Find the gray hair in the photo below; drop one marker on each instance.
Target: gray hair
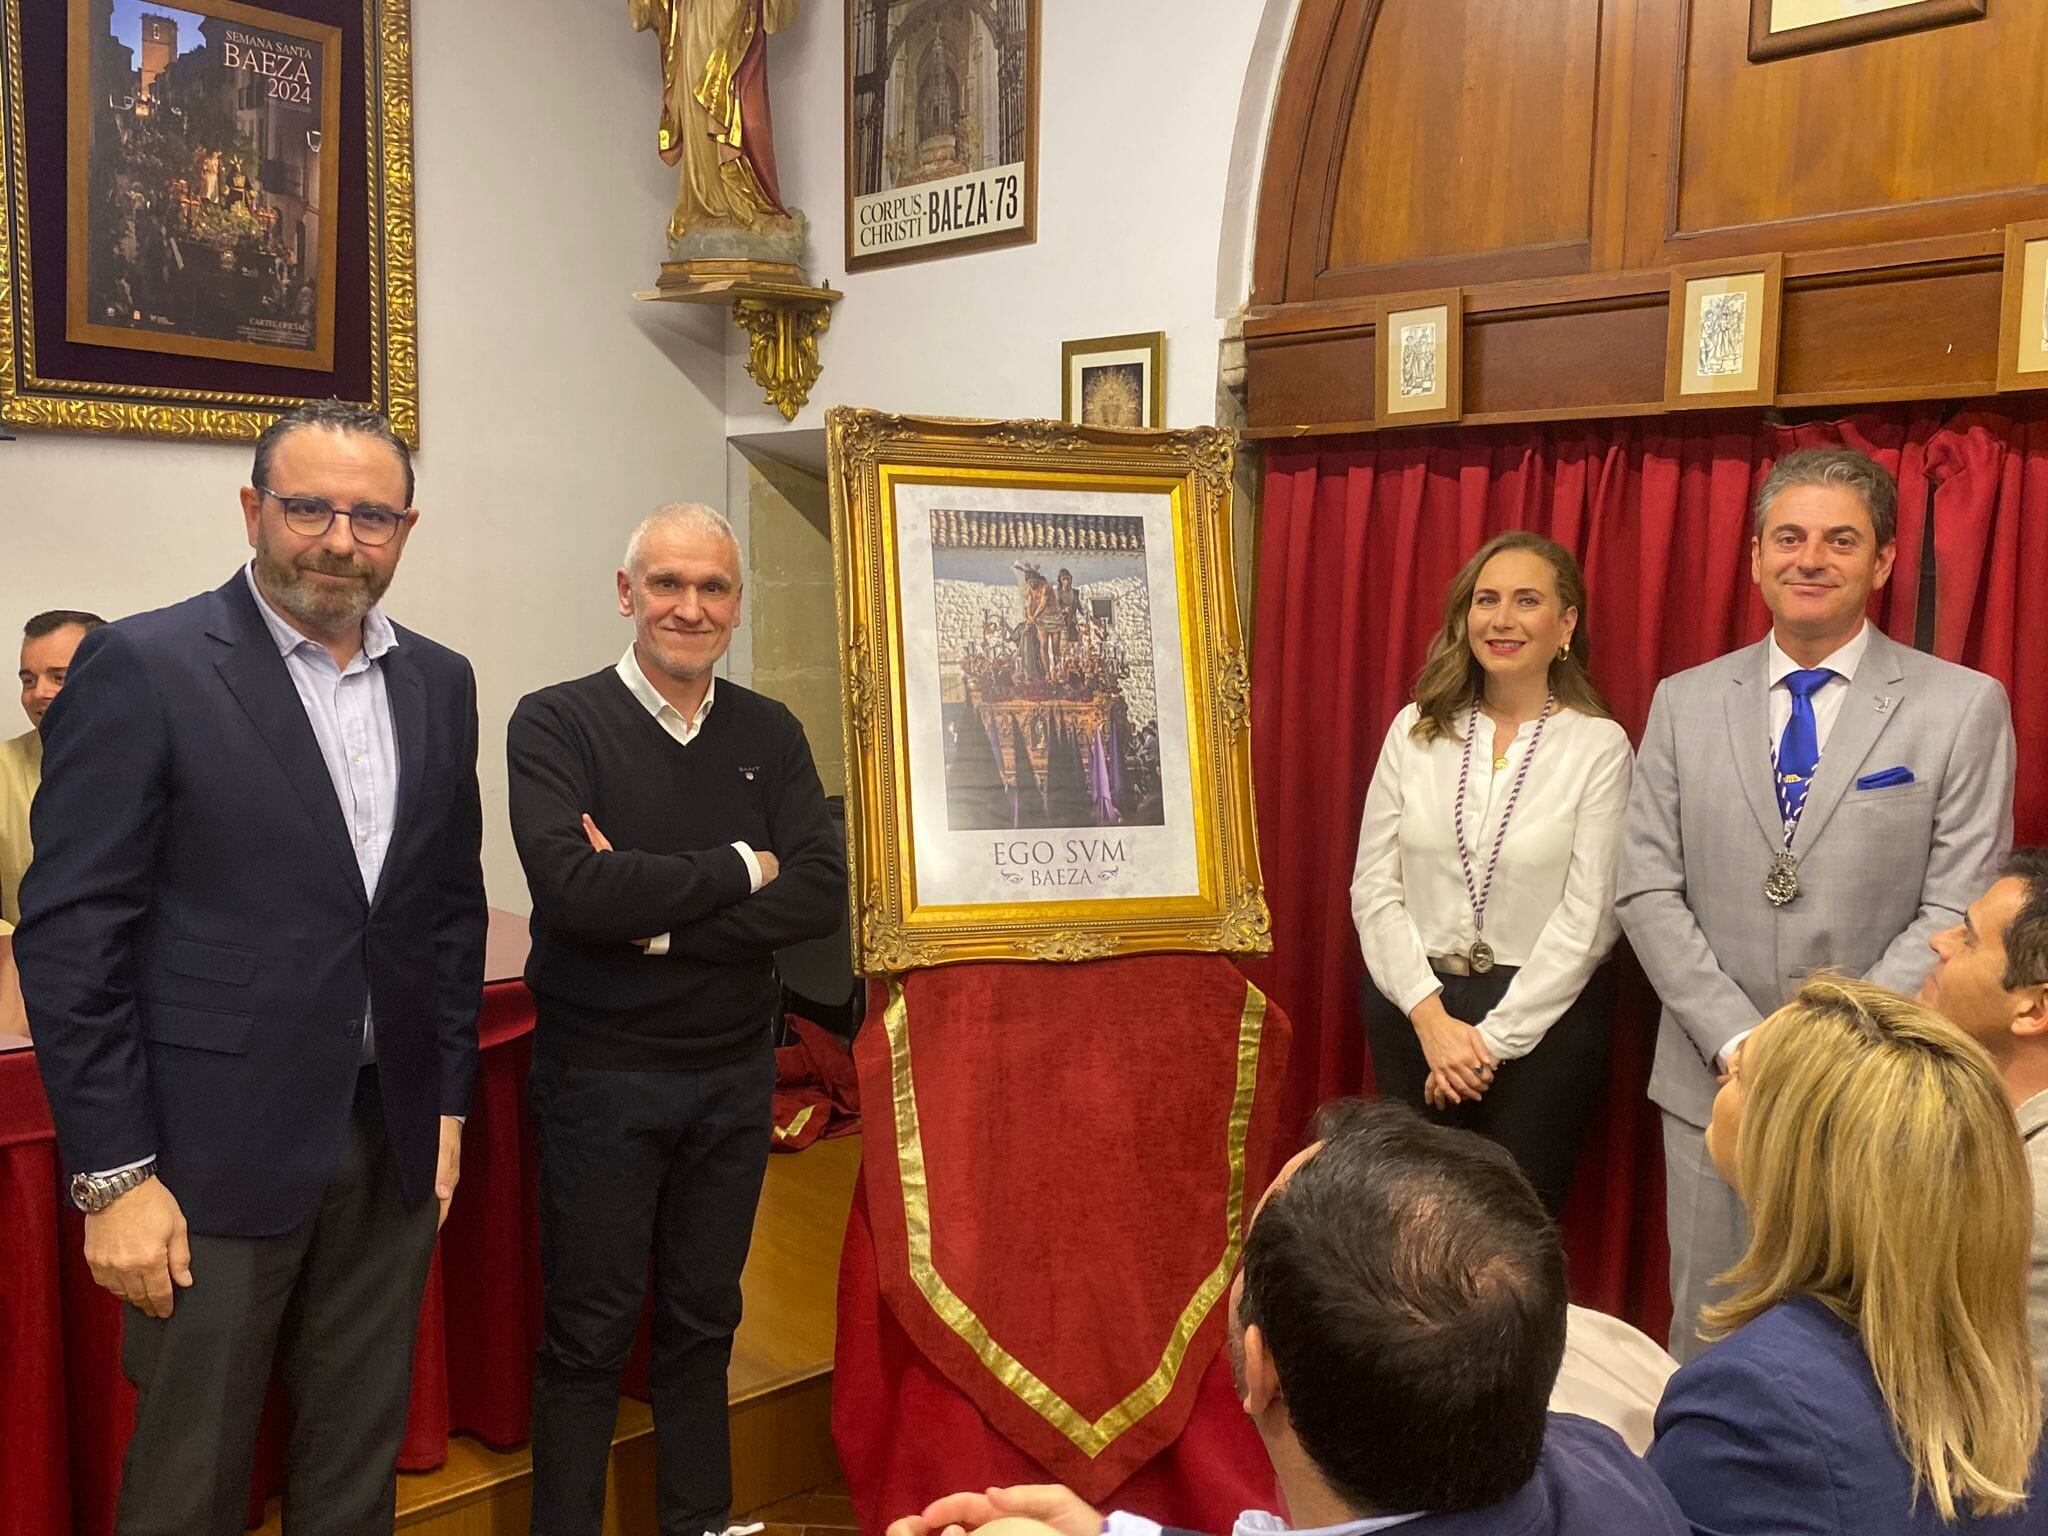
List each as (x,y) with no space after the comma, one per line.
(330,416)
(682,516)
(1844,467)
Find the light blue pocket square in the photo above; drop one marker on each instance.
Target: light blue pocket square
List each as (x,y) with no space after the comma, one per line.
(1890,778)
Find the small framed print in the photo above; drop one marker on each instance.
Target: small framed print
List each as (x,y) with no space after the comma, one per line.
(1778,28)
(1722,345)
(1418,359)
(1114,381)
(2023,312)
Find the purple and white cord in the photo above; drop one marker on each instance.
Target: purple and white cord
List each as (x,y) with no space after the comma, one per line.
(1478,894)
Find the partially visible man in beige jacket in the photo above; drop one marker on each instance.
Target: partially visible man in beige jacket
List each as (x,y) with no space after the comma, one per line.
(47,643)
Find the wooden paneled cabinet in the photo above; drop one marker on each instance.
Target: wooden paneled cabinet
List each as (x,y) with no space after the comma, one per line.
(1556,159)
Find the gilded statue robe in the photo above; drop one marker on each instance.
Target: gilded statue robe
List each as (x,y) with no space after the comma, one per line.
(714,107)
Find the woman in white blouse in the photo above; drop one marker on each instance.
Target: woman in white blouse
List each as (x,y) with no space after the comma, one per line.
(1484,888)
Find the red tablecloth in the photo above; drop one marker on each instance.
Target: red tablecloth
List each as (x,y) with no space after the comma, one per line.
(65,1409)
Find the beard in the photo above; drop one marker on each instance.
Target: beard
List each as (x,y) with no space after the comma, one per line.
(288,583)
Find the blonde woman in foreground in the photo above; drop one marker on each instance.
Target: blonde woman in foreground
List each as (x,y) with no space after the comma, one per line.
(1873,1372)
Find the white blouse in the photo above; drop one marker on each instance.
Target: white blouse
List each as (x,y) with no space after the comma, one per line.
(1551,910)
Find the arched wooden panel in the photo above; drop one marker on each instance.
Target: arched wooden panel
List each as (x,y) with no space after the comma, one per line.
(1455,147)
(1556,159)
(1904,137)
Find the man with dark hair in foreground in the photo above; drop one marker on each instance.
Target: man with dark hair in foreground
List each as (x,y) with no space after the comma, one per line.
(1394,1334)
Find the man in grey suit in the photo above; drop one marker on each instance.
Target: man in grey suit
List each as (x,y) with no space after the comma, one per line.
(1824,797)
(1990,978)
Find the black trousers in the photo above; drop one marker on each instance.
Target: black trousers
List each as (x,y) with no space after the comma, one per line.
(633,1165)
(335,1303)
(1539,1104)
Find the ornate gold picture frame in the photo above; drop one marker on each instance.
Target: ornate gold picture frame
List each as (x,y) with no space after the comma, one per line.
(1047,703)
(205,213)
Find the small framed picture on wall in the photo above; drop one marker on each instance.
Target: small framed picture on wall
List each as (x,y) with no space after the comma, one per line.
(1114,381)
(1418,359)
(1721,348)
(2023,312)
(1778,28)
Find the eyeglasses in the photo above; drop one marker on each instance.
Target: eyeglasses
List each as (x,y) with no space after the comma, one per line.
(312,516)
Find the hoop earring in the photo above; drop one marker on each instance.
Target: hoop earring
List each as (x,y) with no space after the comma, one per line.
(1564,652)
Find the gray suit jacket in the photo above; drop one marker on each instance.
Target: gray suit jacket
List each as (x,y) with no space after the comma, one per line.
(1881,871)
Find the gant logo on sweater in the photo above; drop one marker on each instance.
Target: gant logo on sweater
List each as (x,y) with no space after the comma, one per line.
(748,773)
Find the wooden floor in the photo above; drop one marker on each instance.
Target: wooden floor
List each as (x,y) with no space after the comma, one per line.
(781,1386)
(825,1511)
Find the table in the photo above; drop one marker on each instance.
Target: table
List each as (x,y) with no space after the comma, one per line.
(66,1411)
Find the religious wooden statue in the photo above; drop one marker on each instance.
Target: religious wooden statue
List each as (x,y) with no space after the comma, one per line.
(731,240)
(715,124)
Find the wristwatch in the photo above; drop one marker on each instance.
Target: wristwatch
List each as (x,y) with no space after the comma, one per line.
(94,1194)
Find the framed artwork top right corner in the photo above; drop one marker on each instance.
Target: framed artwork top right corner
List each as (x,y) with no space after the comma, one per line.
(1781,28)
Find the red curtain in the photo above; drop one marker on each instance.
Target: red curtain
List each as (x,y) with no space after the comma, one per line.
(1361,537)
(1990,467)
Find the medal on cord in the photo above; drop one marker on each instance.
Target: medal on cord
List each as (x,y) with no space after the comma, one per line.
(1481,953)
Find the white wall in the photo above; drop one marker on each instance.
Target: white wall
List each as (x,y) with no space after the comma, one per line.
(1152,121)
(556,410)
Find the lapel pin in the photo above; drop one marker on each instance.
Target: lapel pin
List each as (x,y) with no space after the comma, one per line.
(1884,705)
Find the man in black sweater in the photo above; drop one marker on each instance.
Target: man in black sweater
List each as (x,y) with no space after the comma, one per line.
(674,835)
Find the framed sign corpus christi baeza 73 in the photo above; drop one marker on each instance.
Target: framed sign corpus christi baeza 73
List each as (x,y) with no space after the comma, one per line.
(941,128)
(1047,704)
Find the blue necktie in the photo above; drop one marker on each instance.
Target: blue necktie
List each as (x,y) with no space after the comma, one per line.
(1799,747)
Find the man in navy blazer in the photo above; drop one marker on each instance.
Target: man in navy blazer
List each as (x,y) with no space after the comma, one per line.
(1394,1334)
(252,952)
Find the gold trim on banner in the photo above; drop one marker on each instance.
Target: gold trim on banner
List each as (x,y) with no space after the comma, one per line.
(1091,1438)
(796,1127)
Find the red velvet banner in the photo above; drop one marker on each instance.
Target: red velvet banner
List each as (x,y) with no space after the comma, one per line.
(1059,1167)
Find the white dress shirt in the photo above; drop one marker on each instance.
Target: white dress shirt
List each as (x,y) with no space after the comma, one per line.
(1827,699)
(1551,910)
(670,719)
(1257,1522)
(350,713)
